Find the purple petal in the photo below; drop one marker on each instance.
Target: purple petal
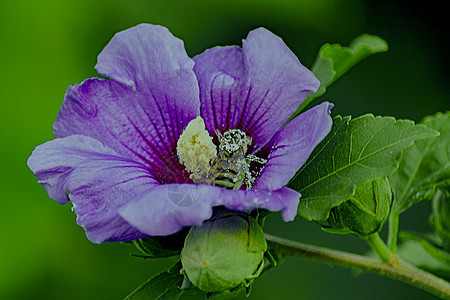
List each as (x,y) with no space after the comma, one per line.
(128,122)
(291,146)
(100,181)
(283,199)
(165,209)
(142,111)
(255,89)
(220,71)
(148,55)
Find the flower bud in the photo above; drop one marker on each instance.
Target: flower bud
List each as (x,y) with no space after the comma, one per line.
(224,253)
(440,217)
(365,212)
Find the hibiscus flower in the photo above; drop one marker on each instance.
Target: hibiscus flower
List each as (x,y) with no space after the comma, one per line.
(117,154)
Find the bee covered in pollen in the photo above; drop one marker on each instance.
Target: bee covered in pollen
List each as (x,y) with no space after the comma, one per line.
(231,168)
(227,166)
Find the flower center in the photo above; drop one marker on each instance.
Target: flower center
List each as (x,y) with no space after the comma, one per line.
(228,168)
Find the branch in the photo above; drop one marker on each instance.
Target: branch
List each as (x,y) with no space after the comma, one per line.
(393,268)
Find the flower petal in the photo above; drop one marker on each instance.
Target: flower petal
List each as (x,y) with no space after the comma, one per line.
(148,55)
(141,112)
(255,89)
(283,199)
(128,122)
(165,209)
(220,71)
(99,180)
(291,146)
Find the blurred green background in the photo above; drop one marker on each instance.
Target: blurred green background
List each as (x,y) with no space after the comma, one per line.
(47,45)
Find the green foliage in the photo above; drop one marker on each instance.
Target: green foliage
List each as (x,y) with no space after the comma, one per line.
(162,286)
(432,249)
(365,212)
(334,60)
(440,217)
(423,251)
(161,246)
(423,167)
(228,294)
(355,151)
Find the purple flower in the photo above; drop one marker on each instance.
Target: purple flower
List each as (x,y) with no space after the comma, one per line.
(115,146)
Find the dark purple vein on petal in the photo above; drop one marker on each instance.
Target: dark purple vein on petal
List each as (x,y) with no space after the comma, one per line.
(211,96)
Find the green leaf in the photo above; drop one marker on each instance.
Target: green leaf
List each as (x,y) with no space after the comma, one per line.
(334,60)
(162,286)
(173,293)
(354,151)
(412,250)
(423,167)
(440,217)
(228,294)
(435,251)
(161,246)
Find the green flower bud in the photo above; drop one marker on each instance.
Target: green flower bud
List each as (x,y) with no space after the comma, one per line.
(440,217)
(224,253)
(365,212)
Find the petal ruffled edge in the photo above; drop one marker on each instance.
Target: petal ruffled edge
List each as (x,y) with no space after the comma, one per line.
(165,209)
(99,182)
(142,110)
(255,88)
(142,54)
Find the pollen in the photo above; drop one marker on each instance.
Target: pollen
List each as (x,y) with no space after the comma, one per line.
(195,149)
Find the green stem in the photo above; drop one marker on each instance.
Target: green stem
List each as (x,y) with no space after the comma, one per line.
(376,243)
(393,232)
(395,269)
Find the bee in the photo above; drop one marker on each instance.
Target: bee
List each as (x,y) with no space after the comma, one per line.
(231,167)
